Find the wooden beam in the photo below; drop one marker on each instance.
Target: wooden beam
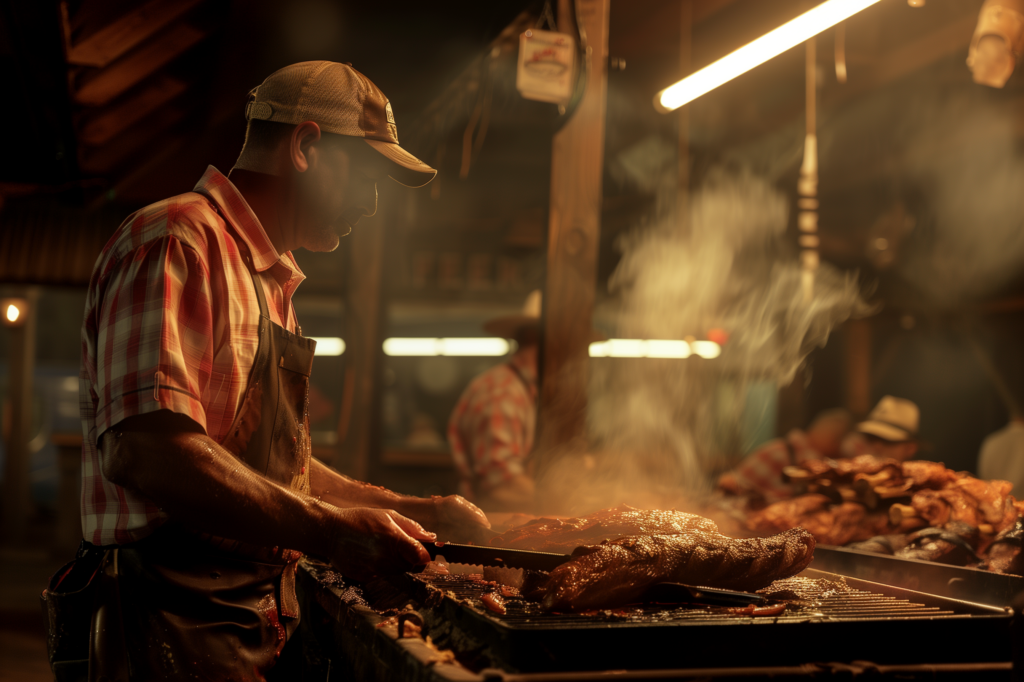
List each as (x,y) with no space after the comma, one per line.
(858,367)
(126,73)
(127,32)
(140,142)
(574,225)
(363,337)
(102,128)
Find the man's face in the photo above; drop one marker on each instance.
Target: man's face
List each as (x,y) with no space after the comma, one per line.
(338,188)
(898,450)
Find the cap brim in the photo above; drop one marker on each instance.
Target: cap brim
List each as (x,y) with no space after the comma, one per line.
(508,326)
(407,169)
(884,431)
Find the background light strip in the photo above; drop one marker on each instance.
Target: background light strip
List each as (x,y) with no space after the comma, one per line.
(653,348)
(766,47)
(451,347)
(328,345)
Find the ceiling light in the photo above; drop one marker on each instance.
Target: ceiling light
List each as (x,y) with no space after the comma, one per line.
(328,345)
(653,348)
(770,45)
(13,310)
(451,347)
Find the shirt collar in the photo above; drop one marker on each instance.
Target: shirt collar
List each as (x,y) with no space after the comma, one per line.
(236,211)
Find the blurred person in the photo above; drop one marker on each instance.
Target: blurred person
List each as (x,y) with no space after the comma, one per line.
(1002,455)
(890,430)
(760,473)
(194,387)
(492,428)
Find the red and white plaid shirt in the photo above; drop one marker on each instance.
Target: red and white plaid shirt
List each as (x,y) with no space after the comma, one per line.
(492,427)
(171,322)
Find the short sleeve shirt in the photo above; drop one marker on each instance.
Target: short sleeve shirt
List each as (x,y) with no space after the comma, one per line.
(172,322)
(492,428)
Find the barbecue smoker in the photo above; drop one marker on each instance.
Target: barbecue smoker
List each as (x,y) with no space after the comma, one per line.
(872,630)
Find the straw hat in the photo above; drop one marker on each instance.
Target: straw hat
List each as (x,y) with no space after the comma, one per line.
(507,326)
(893,419)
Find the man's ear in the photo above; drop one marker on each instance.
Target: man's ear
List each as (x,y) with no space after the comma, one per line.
(303,137)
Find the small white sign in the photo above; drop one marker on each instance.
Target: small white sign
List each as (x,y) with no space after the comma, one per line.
(546,62)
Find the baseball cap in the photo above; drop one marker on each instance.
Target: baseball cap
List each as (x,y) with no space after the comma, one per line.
(893,419)
(341,101)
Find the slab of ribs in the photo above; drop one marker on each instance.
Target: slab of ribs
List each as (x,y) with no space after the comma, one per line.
(618,554)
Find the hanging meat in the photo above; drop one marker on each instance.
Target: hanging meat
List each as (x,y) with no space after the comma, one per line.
(618,572)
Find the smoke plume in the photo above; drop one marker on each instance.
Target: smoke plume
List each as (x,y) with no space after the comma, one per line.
(657,424)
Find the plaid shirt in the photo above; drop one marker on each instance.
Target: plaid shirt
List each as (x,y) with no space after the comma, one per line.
(171,322)
(761,470)
(492,427)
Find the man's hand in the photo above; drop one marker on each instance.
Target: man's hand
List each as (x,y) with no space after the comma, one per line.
(455,519)
(370,542)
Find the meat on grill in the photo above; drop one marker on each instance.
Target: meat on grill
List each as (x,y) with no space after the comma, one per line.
(618,572)
(828,523)
(565,535)
(938,545)
(978,503)
(1005,554)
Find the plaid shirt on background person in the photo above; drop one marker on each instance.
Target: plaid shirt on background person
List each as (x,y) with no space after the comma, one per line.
(761,471)
(492,427)
(171,322)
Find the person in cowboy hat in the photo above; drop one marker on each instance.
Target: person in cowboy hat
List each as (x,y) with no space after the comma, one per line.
(890,431)
(199,491)
(492,427)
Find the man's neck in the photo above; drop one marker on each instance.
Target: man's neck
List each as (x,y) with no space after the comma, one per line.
(265,195)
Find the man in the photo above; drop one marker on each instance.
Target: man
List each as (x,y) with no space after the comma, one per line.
(196,462)
(1002,455)
(760,473)
(890,431)
(492,427)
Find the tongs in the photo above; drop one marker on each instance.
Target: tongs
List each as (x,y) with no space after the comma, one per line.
(678,593)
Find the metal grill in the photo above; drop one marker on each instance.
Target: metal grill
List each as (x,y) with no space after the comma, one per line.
(834,619)
(818,601)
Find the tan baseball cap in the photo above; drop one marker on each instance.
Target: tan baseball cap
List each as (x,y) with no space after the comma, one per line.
(893,419)
(341,101)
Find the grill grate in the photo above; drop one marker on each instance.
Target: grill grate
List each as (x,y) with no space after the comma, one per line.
(808,599)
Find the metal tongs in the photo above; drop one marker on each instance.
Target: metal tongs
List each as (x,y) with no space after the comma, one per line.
(678,593)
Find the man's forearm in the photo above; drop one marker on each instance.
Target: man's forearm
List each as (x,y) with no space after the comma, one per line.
(200,484)
(341,491)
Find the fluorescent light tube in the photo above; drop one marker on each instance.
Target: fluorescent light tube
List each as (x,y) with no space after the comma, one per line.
(768,46)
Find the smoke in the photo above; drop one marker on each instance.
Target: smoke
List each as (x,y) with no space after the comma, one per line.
(658,424)
(961,151)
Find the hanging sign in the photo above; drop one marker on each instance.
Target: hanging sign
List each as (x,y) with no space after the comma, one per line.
(546,62)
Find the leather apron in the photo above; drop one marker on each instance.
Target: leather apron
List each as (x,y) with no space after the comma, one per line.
(197,607)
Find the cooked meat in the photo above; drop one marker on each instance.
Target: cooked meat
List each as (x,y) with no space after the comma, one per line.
(786,514)
(867,465)
(881,544)
(1005,554)
(932,475)
(829,524)
(565,535)
(994,502)
(619,571)
(978,503)
(939,545)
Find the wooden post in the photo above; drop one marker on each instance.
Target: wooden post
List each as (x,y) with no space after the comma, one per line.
(17,480)
(577,160)
(359,414)
(685,68)
(858,366)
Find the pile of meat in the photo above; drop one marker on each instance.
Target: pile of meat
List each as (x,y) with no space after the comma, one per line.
(916,509)
(618,554)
